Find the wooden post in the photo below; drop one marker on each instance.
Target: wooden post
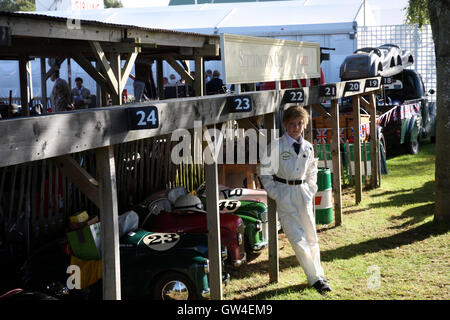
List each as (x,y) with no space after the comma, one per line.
(336,158)
(24,98)
(309,129)
(199,85)
(69,73)
(365,163)
(159,78)
(373,142)
(109,223)
(274,263)
(357,148)
(214,248)
(44,85)
(116,66)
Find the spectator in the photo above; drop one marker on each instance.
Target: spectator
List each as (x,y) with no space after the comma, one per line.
(81,95)
(208,76)
(61,96)
(172,80)
(215,86)
(165,81)
(143,72)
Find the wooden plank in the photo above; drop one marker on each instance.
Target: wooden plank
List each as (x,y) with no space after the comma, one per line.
(159,78)
(274,263)
(108,72)
(199,81)
(79,177)
(214,241)
(180,70)
(109,223)
(42,194)
(43,85)
(129,63)
(27,210)
(48,136)
(336,158)
(357,148)
(116,66)
(51,28)
(24,96)
(90,69)
(373,142)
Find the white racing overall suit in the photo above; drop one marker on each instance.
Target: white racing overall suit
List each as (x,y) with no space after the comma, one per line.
(294,202)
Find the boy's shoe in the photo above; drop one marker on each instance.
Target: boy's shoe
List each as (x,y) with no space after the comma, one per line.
(322,286)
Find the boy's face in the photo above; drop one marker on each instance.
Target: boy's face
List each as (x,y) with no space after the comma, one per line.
(294,127)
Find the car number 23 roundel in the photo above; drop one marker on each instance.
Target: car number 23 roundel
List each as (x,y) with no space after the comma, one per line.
(161,241)
(229,205)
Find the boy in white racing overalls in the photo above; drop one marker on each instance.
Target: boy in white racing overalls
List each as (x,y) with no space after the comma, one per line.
(291,180)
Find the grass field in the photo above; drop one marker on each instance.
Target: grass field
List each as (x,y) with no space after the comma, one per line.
(388,247)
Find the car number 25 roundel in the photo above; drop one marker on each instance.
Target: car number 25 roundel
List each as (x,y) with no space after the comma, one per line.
(229,205)
(161,241)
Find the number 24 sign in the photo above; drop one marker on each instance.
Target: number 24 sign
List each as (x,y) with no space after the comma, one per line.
(143,118)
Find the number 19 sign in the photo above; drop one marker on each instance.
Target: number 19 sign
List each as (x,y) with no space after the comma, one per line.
(143,118)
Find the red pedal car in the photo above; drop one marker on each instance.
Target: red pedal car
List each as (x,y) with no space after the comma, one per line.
(165,212)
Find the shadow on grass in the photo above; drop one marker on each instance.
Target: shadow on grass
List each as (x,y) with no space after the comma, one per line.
(276,292)
(404,197)
(407,237)
(416,215)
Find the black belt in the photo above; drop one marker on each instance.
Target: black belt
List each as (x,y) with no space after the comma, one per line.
(290,182)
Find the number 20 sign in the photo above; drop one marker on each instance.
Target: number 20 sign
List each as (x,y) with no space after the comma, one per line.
(143,118)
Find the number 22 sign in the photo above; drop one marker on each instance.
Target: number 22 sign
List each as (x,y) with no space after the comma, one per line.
(143,118)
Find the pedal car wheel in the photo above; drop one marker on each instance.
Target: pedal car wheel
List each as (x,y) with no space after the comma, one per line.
(174,286)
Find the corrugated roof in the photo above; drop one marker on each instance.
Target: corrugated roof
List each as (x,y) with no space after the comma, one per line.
(62,16)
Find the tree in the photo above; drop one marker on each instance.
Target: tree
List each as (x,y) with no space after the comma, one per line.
(437,13)
(17,5)
(113,3)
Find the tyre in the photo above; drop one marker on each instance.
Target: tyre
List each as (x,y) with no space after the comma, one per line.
(174,286)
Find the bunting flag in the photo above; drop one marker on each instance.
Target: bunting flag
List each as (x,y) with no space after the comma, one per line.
(342,135)
(321,136)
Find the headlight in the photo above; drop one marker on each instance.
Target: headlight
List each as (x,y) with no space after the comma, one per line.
(259,226)
(224,253)
(240,238)
(206,266)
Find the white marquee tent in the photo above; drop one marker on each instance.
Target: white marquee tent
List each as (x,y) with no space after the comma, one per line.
(329,22)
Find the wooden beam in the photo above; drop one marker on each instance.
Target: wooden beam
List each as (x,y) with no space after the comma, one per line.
(109,223)
(79,177)
(104,65)
(180,70)
(274,261)
(53,135)
(43,85)
(159,78)
(90,69)
(129,63)
(116,66)
(357,148)
(214,243)
(24,98)
(199,80)
(373,142)
(336,159)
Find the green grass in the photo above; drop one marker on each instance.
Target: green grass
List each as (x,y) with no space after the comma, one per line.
(391,231)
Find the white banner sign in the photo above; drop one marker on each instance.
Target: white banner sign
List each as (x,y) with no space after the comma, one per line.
(252,59)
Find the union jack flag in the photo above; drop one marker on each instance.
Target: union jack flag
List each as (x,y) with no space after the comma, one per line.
(321,136)
(342,135)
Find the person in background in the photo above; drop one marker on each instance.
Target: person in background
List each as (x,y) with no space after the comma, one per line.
(61,96)
(172,80)
(81,95)
(142,69)
(208,75)
(215,86)
(289,175)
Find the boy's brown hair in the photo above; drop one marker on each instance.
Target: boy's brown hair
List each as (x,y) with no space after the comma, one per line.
(296,112)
